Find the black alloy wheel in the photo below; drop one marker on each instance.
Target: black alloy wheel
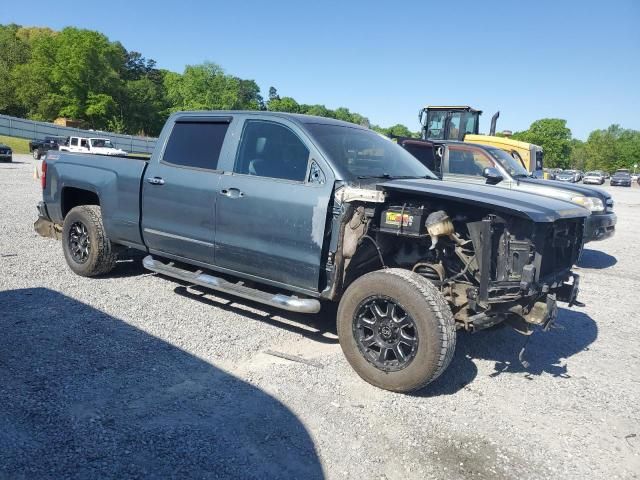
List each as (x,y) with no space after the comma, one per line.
(385,333)
(79,242)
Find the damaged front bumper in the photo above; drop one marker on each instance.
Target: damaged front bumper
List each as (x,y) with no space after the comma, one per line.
(538,308)
(44,226)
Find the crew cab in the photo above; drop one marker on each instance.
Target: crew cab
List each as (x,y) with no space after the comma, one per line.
(294,211)
(39,148)
(96,146)
(483,164)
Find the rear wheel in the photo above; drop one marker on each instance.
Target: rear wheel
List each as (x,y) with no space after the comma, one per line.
(396,329)
(36,154)
(87,249)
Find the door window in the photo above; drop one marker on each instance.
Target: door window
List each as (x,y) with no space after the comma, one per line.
(195,144)
(74,142)
(454,126)
(435,124)
(467,161)
(268,149)
(84,143)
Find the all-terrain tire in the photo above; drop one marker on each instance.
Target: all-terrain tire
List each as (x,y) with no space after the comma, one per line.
(101,256)
(434,325)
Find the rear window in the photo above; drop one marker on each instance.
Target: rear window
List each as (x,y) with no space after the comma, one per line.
(196,144)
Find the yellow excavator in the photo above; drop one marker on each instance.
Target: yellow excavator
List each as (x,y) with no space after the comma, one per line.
(462,123)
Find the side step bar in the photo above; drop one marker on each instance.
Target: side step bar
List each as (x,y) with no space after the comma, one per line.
(285,302)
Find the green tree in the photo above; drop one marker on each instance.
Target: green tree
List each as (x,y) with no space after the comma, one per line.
(578,156)
(207,87)
(553,136)
(13,51)
(613,148)
(284,104)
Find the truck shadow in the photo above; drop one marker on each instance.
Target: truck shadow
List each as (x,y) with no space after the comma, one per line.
(596,259)
(320,327)
(85,395)
(544,352)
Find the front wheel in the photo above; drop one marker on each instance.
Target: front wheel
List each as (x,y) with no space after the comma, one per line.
(36,154)
(87,249)
(396,329)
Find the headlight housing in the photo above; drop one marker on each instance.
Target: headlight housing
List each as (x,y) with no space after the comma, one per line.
(594,204)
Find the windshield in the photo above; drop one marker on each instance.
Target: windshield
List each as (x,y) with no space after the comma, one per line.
(101,143)
(592,174)
(510,164)
(460,123)
(360,153)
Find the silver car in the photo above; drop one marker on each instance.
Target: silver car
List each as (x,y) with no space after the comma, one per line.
(594,178)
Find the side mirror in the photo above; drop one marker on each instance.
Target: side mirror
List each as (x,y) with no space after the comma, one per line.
(492,175)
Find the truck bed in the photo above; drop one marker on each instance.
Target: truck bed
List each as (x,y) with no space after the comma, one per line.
(116,181)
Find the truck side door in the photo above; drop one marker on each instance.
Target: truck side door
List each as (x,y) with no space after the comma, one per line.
(74,144)
(271,211)
(179,190)
(84,145)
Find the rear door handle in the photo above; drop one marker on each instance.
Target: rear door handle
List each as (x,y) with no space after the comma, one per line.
(155,180)
(232,192)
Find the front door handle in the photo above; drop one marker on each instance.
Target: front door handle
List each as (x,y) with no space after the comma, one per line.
(155,180)
(232,192)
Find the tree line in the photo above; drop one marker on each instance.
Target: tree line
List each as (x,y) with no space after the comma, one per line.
(608,149)
(81,74)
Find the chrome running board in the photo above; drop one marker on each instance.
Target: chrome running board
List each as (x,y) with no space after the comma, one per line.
(285,302)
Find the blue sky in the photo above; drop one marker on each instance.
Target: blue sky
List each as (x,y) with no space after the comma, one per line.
(578,60)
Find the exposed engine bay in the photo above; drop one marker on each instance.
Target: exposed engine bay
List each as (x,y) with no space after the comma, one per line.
(490,266)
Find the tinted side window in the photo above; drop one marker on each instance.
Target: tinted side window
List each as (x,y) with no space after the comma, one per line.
(268,149)
(195,144)
(74,141)
(464,161)
(423,153)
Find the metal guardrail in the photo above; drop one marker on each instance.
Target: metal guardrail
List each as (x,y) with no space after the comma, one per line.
(30,129)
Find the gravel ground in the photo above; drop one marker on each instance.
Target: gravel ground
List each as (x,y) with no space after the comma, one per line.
(135,375)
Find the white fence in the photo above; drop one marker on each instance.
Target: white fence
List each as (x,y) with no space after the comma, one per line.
(19,127)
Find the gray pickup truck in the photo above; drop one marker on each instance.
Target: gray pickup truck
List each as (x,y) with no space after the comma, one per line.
(292,211)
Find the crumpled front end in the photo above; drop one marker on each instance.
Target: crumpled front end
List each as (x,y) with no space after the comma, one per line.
(523,271)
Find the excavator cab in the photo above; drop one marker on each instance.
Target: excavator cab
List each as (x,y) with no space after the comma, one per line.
(449,122)
(461,123)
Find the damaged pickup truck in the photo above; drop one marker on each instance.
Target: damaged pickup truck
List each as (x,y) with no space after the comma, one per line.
(292,211)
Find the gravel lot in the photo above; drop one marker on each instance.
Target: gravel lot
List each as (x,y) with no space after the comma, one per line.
(136,375)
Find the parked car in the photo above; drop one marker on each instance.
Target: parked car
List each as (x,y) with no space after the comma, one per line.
(301,209)
(483,164)
(566,176)
(39,148)
(635,176)
(96,146)
(6,155)
(595,177)
(621,178)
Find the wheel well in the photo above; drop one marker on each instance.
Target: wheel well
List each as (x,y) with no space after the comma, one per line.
(73,197)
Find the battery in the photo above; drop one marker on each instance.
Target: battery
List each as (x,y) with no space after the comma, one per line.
(404,220)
